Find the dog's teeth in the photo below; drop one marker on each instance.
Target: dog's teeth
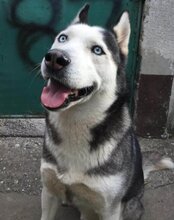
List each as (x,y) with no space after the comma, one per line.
(72,95)
(48,82)
(76,93)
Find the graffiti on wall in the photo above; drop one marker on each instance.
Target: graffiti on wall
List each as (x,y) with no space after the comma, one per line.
(29,33)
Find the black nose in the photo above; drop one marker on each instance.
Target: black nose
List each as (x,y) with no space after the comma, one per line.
(56,59)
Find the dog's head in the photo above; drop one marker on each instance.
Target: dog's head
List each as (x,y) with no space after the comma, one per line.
(83,62)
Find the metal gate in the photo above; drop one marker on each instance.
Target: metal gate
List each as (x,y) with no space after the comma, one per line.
(27,28)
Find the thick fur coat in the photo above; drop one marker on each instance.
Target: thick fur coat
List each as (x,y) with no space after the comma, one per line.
(91,157)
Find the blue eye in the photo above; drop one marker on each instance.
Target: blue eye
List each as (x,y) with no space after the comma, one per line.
(62,38)
(97,50)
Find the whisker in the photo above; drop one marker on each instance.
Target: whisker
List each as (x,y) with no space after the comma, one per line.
(38,74)
(35,68)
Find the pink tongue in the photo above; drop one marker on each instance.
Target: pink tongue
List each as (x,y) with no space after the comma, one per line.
(54,95)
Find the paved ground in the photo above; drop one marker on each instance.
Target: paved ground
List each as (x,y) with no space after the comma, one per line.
(20,151)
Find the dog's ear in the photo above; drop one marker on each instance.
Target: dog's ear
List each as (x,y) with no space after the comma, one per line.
(82,15)
(122,31)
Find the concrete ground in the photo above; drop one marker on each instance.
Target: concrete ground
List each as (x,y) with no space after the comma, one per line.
(20,187)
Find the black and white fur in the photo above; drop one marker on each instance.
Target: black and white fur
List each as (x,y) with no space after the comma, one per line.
(91,157)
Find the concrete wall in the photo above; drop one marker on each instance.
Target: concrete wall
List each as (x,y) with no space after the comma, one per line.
(157,49)
(158,38)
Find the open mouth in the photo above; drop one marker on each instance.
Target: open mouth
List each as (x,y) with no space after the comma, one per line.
(56,95)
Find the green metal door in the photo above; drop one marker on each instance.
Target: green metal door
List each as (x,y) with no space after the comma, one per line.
(27,28)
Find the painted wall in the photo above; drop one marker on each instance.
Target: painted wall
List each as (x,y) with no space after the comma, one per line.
(156,84)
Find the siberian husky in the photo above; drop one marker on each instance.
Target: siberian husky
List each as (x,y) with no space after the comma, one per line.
(91,157)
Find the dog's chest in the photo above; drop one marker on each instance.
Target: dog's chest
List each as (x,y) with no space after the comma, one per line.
(74,157)
(74,151)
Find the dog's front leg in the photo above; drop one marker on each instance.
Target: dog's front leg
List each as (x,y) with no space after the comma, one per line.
(113,213)
(49,205)
(88,214)
(49,199)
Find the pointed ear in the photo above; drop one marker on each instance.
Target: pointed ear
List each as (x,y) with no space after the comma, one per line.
(122,31)
(82,15)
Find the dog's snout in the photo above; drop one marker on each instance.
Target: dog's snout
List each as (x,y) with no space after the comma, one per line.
(56,60)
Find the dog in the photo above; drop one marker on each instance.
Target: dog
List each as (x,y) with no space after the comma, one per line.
(91,157)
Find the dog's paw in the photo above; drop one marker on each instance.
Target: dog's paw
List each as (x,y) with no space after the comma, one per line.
(82,217)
